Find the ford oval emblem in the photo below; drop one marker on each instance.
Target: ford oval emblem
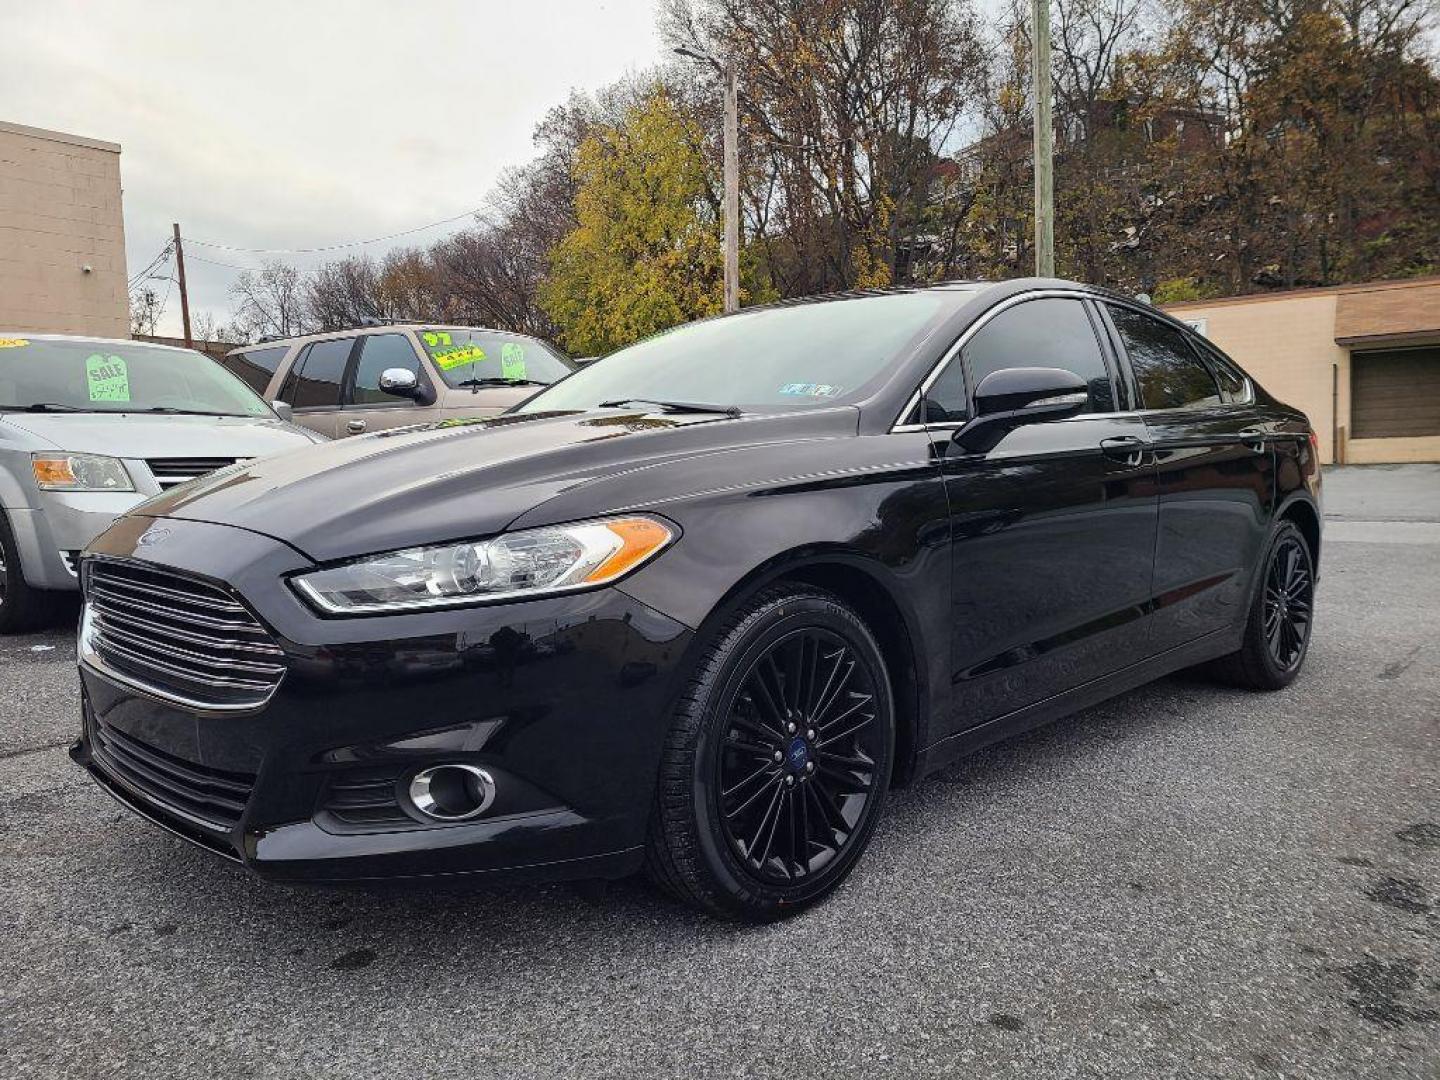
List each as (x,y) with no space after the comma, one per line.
(153,535)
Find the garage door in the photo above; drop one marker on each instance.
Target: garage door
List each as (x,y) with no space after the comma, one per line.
(1395,393)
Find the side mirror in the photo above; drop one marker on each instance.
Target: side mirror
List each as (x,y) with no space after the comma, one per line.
(400,382)
(284,411)
(1013,397)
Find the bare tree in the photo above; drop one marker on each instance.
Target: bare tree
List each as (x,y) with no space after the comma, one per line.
(345,293)
(144,312)
(270,302)
(854,103)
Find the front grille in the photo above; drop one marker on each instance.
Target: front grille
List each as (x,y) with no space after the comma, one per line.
(169,472)
(183,640)
(212,798)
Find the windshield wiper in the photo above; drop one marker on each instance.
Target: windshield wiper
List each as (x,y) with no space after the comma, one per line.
(170,410)
(673,406)
(497,381)
(51,406)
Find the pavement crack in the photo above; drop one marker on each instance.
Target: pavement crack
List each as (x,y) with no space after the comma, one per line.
(6,755)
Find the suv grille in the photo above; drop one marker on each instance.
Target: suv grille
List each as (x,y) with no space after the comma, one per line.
(183,640)
(172,471)
(208,797)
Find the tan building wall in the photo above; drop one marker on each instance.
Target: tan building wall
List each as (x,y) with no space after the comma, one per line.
(59,213)
(1298,346)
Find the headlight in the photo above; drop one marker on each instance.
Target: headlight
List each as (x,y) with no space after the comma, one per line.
(518,565)
(80,472)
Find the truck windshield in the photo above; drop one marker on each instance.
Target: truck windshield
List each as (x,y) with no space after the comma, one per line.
(79,375)
(478,358)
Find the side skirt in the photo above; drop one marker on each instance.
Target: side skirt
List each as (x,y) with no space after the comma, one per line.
(1214,644)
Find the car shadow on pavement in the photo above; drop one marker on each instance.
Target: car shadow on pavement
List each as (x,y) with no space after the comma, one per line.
(189,895)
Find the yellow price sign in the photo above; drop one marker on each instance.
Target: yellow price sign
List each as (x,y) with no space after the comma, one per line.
(13,343)
(458,356)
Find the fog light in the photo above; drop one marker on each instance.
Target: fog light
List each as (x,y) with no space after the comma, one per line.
(452,792)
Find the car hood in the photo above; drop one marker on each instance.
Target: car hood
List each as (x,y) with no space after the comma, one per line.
(132,435)
(486,397)
(460,478)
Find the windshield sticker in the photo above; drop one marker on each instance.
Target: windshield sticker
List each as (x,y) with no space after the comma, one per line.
(13,343)
(108,378)
(810,389)
(512,360)
(456,355)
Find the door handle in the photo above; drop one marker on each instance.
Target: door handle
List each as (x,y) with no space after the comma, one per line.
(1127,448)
(1254,438)
(355,427)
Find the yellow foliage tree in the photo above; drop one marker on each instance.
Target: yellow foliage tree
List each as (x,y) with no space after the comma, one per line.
(646,253)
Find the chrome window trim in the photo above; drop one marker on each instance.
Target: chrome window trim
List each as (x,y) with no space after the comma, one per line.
(913,401)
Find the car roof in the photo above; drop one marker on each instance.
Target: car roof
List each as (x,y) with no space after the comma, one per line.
(29,336)
(384,328)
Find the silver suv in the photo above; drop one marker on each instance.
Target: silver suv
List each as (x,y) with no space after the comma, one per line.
(89,427)
(349,382)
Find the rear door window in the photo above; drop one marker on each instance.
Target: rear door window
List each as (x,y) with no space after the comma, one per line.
(1235,386)
(256,367)
(1168,372)
(378,354)
(315,379)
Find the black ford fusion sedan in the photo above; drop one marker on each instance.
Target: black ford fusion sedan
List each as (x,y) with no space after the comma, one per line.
(698,606)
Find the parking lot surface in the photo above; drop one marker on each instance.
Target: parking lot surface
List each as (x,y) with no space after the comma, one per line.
(1188,881)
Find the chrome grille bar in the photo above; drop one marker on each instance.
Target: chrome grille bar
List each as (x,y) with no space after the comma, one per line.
(186,641)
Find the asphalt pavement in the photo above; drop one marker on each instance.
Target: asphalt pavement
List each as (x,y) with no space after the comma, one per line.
(1188,881)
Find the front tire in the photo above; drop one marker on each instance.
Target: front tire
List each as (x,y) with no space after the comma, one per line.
(1282,614)
(22,606)
(778,760)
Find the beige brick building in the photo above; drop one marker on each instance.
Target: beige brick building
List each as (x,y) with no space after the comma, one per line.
(62,234)
(1363,361)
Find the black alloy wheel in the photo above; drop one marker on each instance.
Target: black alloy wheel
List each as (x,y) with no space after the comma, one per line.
(778,760)
(799,758)
(1289,601)
(1281,617)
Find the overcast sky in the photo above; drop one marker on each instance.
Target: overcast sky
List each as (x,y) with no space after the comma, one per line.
(305,122)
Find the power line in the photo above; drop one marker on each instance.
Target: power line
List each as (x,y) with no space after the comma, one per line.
(249,269)
(160,314)
(137,278)
(334,247)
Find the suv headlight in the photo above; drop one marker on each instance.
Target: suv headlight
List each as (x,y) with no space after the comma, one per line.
(518,565)
(80,472)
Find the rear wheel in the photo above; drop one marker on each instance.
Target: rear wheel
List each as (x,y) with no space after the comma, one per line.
(778,761)
(1277,632)
(22,607)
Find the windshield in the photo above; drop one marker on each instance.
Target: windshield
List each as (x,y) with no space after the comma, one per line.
(490,358)
(806,355)
(75,375)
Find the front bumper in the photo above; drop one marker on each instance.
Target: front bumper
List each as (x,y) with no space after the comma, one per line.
(564,701)
(59,526)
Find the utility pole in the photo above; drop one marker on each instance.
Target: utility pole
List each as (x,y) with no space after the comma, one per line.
(1044,148)
(732,188)
(184,294)
(730,200)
